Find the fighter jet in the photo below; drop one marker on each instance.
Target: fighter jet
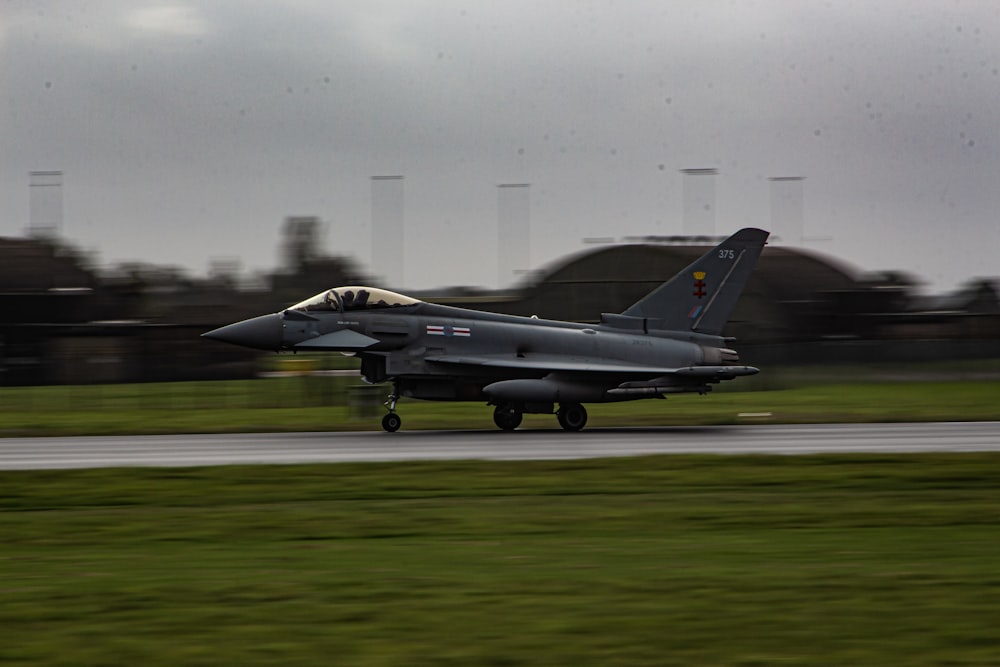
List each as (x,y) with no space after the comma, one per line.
(667,342)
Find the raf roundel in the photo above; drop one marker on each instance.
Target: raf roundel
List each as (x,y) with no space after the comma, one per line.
(447,330)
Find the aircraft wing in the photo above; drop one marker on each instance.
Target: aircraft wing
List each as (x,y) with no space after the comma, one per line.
(560,364)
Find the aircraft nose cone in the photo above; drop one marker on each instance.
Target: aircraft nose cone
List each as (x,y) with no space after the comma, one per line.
(261,333)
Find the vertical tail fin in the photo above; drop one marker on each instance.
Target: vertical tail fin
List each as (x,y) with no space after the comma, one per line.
(702,297)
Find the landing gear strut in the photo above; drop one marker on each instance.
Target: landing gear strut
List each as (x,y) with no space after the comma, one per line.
(572,416)
(391,422)
(507,416)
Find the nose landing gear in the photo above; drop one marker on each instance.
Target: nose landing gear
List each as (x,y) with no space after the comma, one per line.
(391,422)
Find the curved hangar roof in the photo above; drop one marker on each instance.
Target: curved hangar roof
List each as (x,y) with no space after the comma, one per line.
(786,288)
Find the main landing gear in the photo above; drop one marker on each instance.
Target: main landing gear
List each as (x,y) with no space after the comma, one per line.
(571,416)
(391,422)
(507,416)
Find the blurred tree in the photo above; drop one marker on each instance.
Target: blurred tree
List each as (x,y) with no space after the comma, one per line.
(306,269)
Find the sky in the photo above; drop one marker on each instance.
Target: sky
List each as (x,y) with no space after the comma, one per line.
(187,132)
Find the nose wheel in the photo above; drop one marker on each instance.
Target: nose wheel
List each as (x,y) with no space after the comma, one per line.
(391,422)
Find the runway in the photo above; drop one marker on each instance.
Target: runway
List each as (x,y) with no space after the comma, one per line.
(290,448)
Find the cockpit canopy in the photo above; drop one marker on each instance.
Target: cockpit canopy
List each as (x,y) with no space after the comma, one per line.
(354,298)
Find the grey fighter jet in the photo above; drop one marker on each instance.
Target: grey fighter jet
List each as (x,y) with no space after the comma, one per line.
(668,342)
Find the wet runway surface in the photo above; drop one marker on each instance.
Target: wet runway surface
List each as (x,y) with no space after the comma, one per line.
(287,448)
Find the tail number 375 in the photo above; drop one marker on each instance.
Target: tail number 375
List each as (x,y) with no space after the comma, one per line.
(727,254)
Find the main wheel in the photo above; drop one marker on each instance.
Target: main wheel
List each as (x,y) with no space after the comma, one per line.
(507,417)
(391,422)
(572,416)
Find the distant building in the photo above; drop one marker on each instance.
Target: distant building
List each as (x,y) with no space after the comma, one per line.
(388,230)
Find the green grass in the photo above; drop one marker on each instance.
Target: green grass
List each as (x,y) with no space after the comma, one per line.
(682,560)
(323,404)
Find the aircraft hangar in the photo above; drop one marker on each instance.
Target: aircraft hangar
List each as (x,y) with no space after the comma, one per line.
(788,292)
(799,306)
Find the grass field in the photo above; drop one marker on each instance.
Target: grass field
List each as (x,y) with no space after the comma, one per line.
(681,560)
(325,404)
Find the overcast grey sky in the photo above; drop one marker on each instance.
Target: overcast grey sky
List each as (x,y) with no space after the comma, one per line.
(188,131)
